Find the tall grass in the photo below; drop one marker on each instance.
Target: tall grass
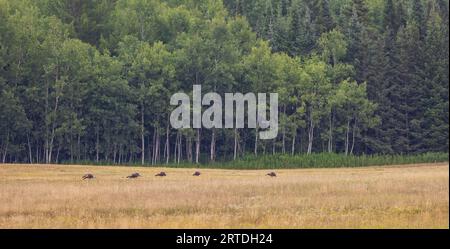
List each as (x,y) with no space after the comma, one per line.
(329,160)
(318,160)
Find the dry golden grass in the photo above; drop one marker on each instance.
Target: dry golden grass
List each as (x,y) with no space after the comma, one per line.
(50,196)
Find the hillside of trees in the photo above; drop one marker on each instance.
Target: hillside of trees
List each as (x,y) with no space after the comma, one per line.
(91,80)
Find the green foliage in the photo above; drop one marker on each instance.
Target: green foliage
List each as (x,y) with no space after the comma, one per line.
(330,160)
(333,46)
(316,160)
(91,80)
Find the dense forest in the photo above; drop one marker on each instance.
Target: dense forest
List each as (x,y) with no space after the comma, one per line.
(91,80)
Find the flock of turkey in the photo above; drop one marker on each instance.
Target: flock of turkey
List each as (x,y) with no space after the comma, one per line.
(162,173)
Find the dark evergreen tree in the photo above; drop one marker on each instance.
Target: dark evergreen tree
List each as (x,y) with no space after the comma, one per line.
(323,21)
(361,11)
(435,101)
(418,16)
(302,39)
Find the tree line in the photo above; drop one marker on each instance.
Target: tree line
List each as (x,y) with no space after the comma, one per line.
(91,80)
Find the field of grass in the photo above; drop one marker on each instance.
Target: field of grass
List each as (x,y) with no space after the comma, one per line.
(54,196)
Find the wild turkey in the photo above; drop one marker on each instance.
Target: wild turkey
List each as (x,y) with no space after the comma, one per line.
(162,173)
(134,175)
(196,173)
(271,174)
(88,176)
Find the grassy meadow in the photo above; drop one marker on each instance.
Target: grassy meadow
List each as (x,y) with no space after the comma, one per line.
(55,196)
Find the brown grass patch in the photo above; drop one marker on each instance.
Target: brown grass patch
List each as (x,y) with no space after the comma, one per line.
(51,196)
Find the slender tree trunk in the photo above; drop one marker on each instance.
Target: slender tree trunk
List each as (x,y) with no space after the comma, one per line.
(71,125)
(97,146)
(57,153)
(5,152)
(53,132)
(130,153)
(213,146)
(284,132)
(167,143)
(114,153)
(120,154)
(293,143)
(78,147)
(71,144)
(37,153)
(189,148)
(158,146)
(346,136)
(149,148)
(108,146)
(330,134)
(165,151)
(235,144)
(353,137)
(197,147)
(186,146)
(175,148)
(142,135)
(180,148)
(46,122)
(51,146)
(310,134)
(239,148)
(29,148)
(408,140)
(256,141)
(154,145)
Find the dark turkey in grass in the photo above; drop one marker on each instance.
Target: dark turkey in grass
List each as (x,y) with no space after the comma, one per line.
(134,175)
(271,174)
(162,173)
(196,173)
(88,176)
